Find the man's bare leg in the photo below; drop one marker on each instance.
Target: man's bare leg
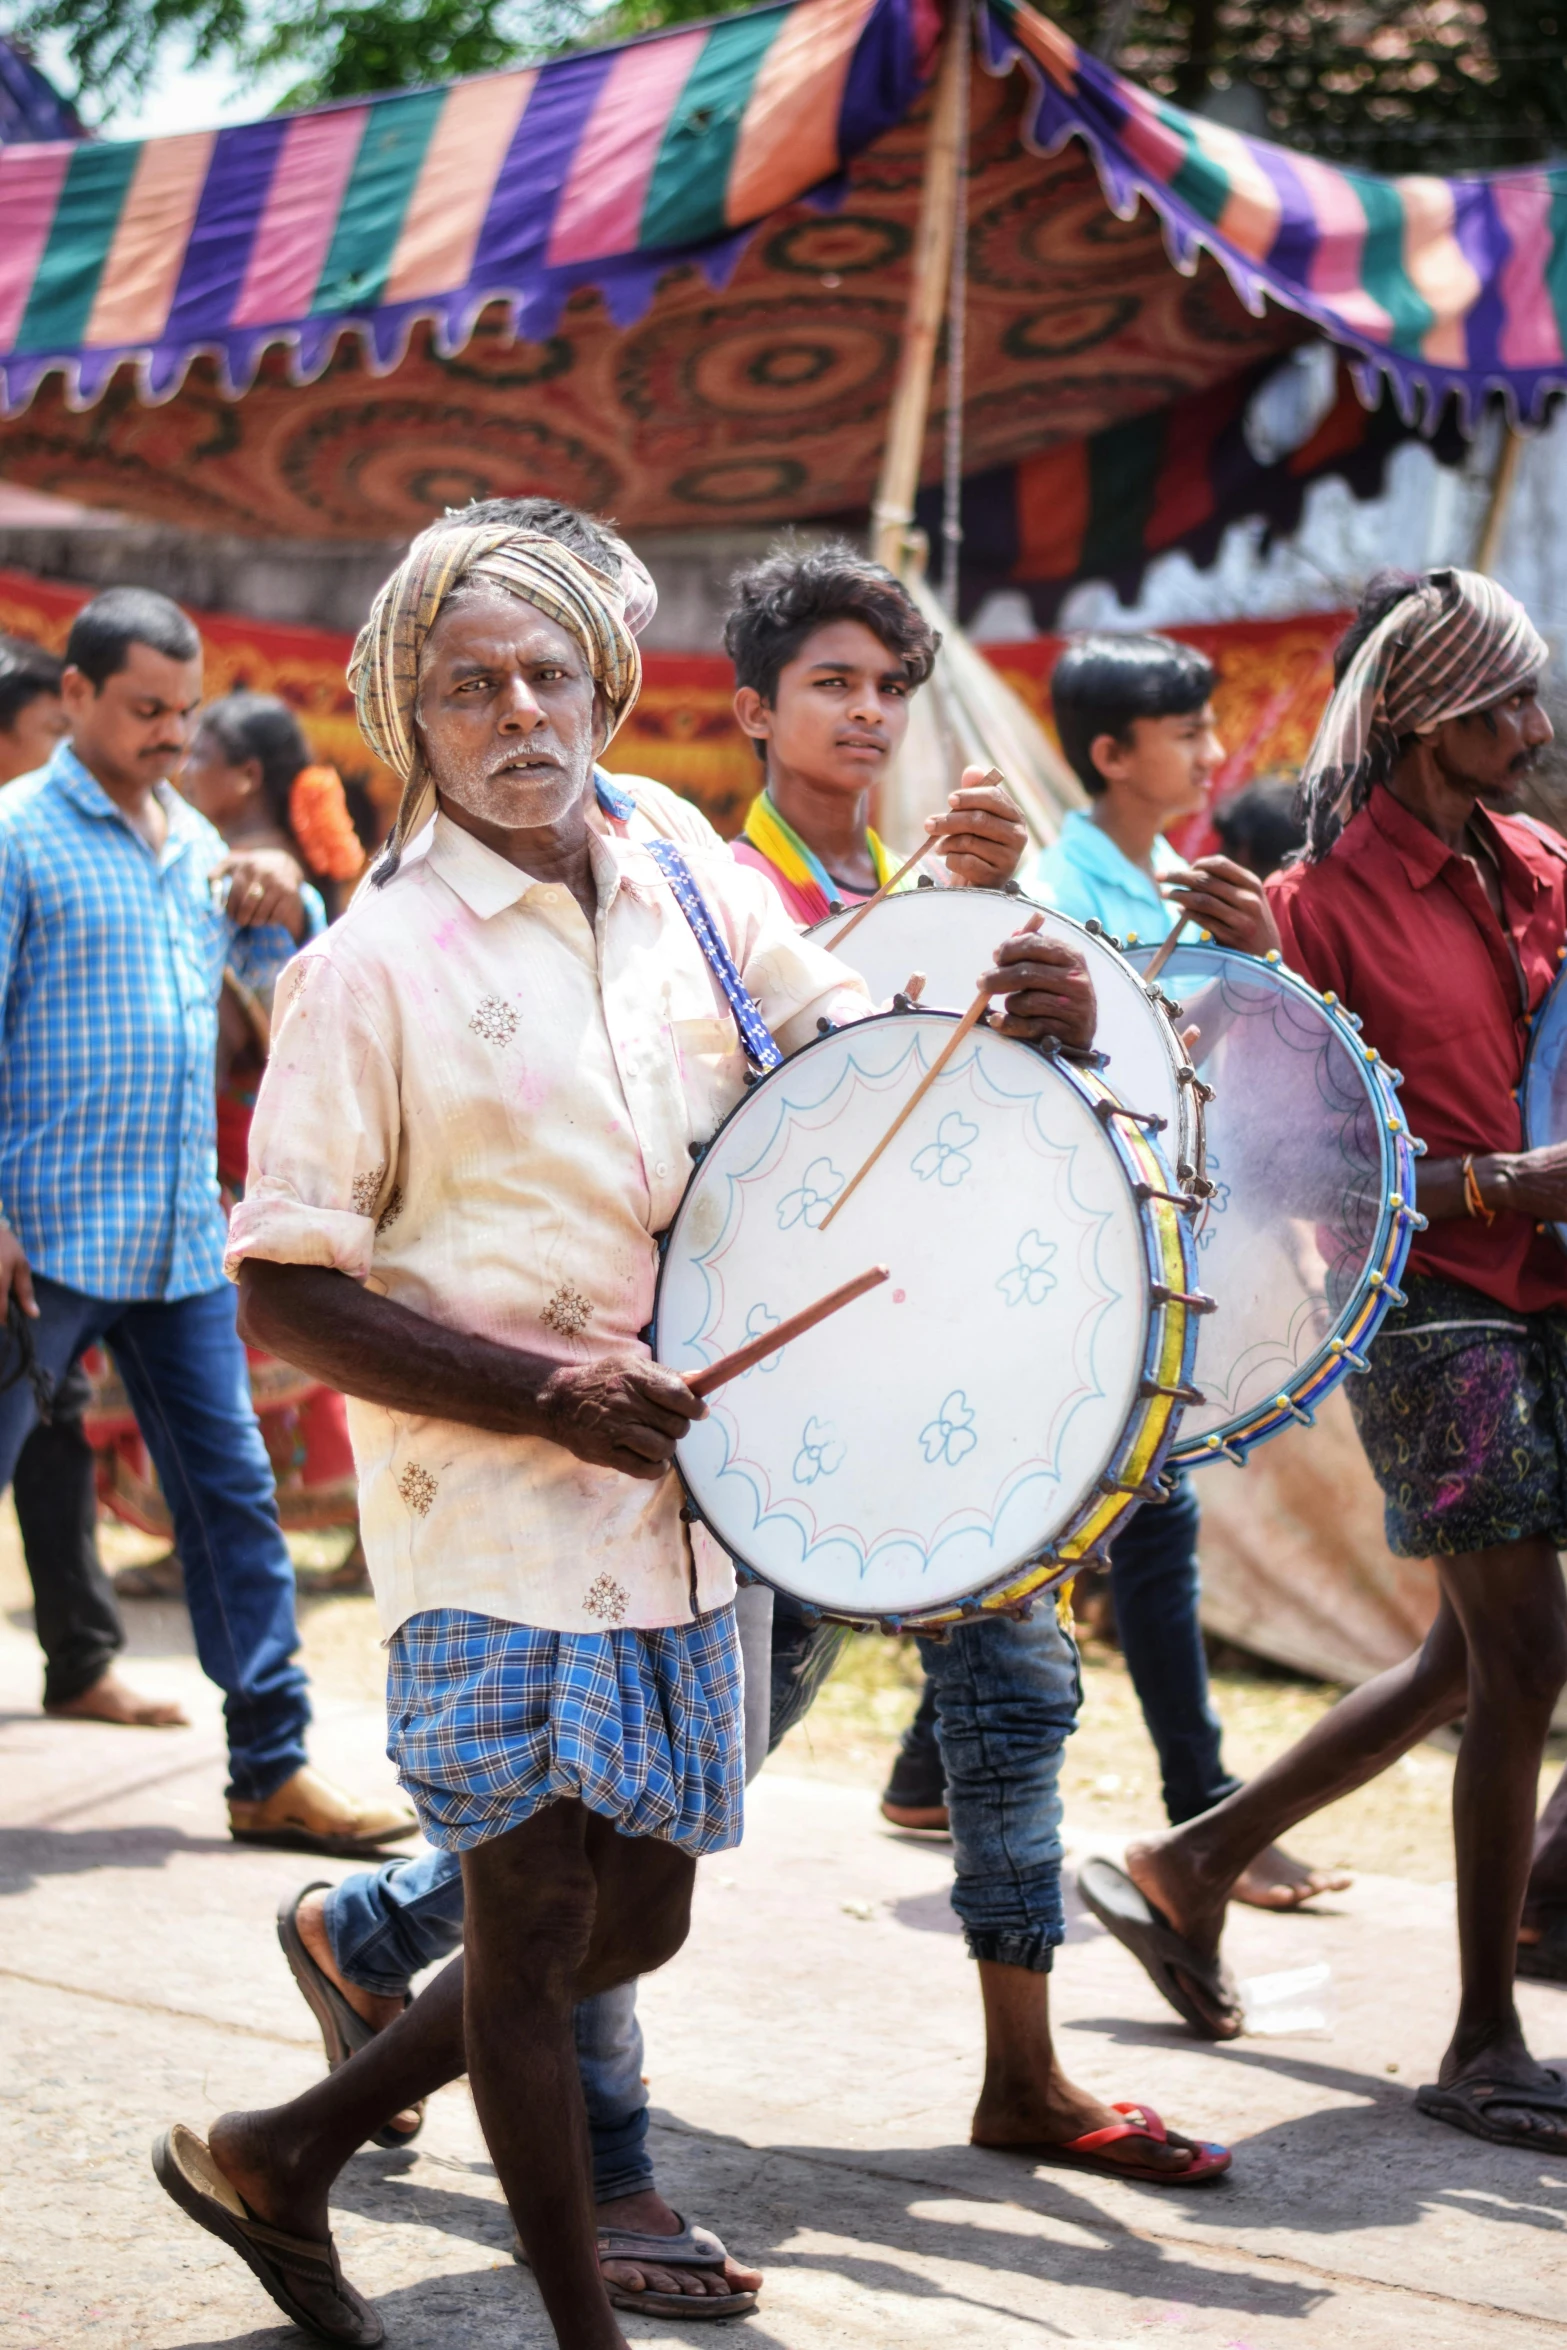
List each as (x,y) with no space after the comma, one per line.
(1513,1610)
(536,1901)
(645,2213)
(1026,2099)
(564,1886)
(1189,1872)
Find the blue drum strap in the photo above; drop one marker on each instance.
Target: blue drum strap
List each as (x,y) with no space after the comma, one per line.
(759,1046)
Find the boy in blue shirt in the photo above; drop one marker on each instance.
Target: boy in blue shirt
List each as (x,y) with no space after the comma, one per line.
(1136,720)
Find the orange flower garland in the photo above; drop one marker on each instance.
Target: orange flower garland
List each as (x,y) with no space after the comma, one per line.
(319,819)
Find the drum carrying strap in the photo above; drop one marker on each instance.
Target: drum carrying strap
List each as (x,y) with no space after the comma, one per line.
(759,1046)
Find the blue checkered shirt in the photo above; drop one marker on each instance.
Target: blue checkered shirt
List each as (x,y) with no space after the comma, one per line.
(111,959)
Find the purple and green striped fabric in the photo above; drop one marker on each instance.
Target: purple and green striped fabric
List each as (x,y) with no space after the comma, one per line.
(1441,285)
(597,169)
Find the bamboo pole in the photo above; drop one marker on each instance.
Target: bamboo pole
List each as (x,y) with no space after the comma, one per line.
(892,513)
(1500,502)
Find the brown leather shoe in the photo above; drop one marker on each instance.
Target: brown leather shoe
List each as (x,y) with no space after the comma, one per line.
(308,1814)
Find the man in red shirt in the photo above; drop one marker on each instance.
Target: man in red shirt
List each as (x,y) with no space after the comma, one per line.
(1440,917)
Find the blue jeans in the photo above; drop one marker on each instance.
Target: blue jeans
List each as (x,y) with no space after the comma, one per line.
(1154,1580)
(387,1925)
(184,1373)
(1007,1697)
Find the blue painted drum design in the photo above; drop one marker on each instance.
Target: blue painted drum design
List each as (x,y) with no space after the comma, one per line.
(971,1431)
(1313,1204)
(951,935)
(1543,1094)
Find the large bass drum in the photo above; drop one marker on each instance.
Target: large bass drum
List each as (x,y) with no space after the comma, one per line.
(951,935)
(1313,1204)
(1543,1095)
(974,1428)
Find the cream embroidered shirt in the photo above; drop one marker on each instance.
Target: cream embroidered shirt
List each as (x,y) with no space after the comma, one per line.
(483,1108)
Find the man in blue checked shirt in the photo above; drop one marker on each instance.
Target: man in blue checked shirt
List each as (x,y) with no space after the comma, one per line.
(119,908)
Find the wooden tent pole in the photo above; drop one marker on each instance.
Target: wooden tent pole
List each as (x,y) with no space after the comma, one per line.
(1500,502)
(893,511)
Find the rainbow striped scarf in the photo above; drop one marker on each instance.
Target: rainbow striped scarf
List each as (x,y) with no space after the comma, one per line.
(776,840)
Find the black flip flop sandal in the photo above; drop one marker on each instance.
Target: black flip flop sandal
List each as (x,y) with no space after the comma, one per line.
(694,2247)
(302,2276)
(1163,1954)
(343,2033)
(1467,2106)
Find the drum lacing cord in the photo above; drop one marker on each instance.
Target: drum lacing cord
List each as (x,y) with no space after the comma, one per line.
(27,1366)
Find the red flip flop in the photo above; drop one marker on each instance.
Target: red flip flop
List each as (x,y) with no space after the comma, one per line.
(1086,2153)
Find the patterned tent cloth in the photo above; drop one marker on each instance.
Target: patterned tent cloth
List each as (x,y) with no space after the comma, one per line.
(608,167)
(667,280)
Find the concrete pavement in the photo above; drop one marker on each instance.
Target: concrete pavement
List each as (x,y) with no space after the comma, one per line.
(814,2056)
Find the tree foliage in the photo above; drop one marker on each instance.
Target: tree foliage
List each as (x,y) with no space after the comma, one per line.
(1392,85)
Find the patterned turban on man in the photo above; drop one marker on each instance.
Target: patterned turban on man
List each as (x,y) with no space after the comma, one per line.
(1452,643)
(600,612)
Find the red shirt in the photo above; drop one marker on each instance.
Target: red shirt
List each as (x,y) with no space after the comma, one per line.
(1399,927)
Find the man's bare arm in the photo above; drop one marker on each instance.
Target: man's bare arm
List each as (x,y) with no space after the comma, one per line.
(623,1413)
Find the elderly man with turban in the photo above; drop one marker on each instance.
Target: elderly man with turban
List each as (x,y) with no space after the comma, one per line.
(484,1088)
(1439,914)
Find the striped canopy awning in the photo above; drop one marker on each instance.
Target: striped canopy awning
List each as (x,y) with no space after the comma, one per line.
(603,169)
(608,168)
(1441,285)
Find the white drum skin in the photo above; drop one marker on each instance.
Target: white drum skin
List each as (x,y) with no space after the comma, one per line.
(940,1437)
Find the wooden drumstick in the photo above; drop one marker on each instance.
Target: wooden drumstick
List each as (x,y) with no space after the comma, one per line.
(888,886)
(757,1350)
(1163,953)
(993,775)
(970,1019)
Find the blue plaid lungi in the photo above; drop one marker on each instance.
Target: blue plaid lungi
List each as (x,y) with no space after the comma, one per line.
(489,1722)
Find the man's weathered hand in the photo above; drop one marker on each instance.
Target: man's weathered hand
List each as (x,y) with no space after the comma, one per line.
(264,886)
(1226,900)
(982,838)
(15,1274)
(627,1414)
(1047,989)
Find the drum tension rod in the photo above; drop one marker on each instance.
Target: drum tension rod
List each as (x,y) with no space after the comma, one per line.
(1177,1199)
(1196,1301)
(1105,1111)
(1346,1353)
(1146,1491)
(1297,1412)
(1185,1393)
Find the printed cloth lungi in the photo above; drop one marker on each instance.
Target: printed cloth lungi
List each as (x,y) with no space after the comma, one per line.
(488,1722)
(1463,1415)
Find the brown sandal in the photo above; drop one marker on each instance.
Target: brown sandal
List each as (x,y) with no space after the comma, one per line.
(343,2033)
(302,2275)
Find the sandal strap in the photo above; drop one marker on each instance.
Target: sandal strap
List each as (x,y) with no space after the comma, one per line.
(692,2248)
(295,2251)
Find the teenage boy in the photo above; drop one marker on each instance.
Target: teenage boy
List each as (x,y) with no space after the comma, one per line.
(1136,720)
(829,652)
(119,908)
